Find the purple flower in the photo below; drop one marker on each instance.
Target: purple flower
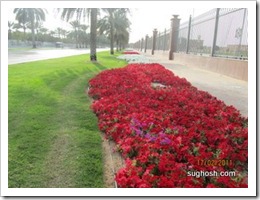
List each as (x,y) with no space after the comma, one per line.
(139,132)
(134,128)
(165,140)
(153,139)
(136,122)
(162,134)
(150,137)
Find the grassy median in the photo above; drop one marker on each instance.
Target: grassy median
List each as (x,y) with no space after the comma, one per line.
(53,138)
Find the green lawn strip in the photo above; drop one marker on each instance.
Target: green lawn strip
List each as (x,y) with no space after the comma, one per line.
(53,136)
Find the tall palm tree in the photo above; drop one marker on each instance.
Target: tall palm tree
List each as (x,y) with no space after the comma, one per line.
(22,18)
(10,28)
(43,30)
(122,29)
(93,34)
(58,31)
(17,27)
(43,34)
(75,24)
(52,33)
(122,39)
(51,36)
(68,13)
(107,25)
(38,25)
(63,33)
(83,36)
(31,15)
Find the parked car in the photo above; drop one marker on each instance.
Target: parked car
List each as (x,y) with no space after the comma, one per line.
(59,45)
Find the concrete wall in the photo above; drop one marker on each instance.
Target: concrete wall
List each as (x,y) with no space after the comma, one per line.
(230,67)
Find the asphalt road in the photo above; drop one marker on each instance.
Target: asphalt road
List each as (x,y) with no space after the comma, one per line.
(20,56)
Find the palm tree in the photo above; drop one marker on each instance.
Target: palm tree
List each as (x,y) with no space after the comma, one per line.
(122,29)
(58,31)
(51,36)
(10,28)
(32,15)
(22,18)
(43,34)
(63,33)
(93,34)
(52,33)
(83,36)
(122,39)
(75,24)
(17,34)
(43,30)
(108,24)
(38,25)
(68,13)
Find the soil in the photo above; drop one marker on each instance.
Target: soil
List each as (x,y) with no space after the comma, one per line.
(113,160)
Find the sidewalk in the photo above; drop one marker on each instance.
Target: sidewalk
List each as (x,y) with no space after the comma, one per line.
(231,91)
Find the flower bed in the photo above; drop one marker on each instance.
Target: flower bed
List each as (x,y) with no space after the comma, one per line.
(130,52)
(165,133)
(134,58)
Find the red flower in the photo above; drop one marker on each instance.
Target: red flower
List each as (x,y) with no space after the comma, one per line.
(163,131)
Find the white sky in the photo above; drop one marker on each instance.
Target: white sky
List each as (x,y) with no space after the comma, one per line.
(144,18)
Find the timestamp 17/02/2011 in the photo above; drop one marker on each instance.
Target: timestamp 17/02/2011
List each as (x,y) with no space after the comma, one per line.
(215,162)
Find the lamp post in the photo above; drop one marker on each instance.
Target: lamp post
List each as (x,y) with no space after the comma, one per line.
(142,43)
(154,40)
(175,24)
(145,44)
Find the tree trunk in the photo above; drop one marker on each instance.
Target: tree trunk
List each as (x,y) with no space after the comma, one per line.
(112,39)
(93,34)
(117,49)
(76,36)
(24,35)
(9,34)
(33,35)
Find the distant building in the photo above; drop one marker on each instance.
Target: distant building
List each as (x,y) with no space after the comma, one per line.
(234,47)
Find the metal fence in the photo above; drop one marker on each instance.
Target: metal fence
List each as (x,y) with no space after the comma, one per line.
(232,33)
(220,32)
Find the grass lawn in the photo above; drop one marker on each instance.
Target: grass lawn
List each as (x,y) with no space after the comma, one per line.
(53,138)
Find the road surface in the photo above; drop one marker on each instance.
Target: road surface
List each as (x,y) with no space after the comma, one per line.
(22,56)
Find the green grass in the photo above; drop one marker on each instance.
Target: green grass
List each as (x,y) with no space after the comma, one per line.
(53,138)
